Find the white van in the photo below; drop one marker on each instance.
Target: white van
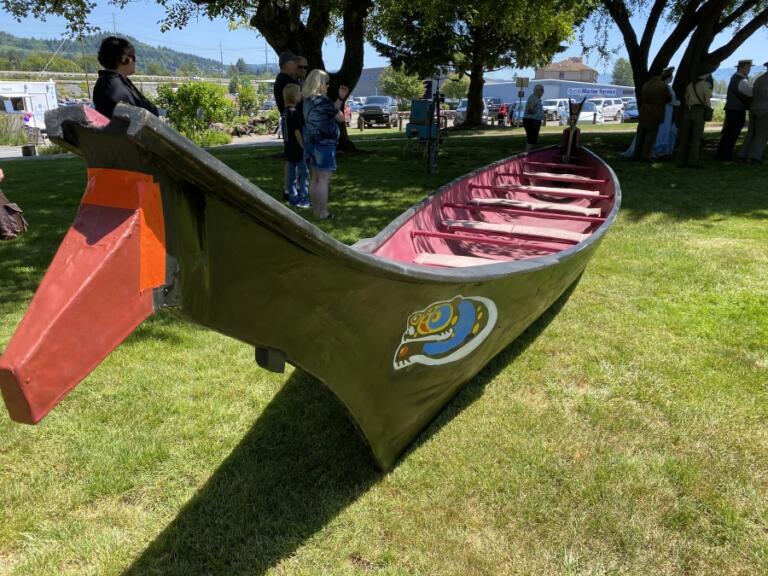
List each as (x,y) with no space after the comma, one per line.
(609,107)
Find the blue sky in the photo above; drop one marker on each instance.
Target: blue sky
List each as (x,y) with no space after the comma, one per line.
(202,37)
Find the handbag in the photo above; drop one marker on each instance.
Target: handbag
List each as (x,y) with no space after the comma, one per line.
(709,113)
(12,223)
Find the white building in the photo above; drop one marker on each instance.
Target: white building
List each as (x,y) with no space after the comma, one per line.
(35,98)
(509,92)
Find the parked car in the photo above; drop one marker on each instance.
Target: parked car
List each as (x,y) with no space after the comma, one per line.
(460,115)
(493,104)
(379,110)
(631,112)
(590,114)
(516,111)
(609,107)
(555,108)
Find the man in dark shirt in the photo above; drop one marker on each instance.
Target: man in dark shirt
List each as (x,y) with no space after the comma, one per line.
(288,68)
(736,106)
(118,56)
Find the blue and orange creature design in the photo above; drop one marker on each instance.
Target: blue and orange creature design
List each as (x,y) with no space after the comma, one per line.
(445,331)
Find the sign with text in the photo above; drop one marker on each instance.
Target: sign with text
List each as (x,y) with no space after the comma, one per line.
(592,92)
(522,82)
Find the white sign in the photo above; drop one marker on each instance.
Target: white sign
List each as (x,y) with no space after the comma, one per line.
(592,92)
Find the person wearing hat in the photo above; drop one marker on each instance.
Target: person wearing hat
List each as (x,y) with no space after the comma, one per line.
(655,95)
(288,62)
(757,135)
(736,106)
(697,99)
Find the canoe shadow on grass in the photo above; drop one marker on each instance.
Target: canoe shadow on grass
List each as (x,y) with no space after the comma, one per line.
(300,465)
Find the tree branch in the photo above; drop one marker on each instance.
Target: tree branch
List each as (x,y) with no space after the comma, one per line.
(729,20)
(740,37)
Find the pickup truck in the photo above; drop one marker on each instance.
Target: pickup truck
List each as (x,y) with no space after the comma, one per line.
(379,110)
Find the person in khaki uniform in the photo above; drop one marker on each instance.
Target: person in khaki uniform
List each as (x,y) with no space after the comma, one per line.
(757,136)
(655,95)
(697,99)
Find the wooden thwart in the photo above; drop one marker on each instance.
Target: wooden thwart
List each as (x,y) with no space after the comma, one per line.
(452,260)
(559,165)
(516,230)
(537,206)
(519,243)
(548,190)
(552,177)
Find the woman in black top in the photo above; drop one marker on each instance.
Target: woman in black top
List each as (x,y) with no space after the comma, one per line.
(118,56)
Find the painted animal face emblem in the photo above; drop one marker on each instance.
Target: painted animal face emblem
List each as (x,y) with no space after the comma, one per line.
(445,331)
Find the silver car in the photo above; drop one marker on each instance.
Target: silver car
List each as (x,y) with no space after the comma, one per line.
(460,114)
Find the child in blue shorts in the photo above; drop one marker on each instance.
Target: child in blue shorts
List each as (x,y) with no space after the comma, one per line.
(294,148)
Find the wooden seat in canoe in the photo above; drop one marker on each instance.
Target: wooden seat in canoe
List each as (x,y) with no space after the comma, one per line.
(451,260)
(552,177)
(548,190)
(516,230)
(537,206)
(559,166)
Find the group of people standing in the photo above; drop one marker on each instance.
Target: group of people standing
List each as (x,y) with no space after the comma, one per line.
(657,133)
(310,125)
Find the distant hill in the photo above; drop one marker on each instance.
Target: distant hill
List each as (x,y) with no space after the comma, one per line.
(147,57)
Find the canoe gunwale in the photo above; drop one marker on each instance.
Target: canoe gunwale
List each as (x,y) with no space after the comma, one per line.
(206,171)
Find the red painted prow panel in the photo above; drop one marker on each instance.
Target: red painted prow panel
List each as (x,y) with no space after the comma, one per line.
(97,290)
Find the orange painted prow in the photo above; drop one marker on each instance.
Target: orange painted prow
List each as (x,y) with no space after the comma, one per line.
(97,290)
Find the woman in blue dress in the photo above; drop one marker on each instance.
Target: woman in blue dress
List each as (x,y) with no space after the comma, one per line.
(667,135)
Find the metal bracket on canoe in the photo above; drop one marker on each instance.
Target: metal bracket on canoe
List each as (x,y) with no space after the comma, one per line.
(270,359)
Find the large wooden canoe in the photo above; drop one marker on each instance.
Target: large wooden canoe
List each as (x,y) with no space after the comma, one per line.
(393,325)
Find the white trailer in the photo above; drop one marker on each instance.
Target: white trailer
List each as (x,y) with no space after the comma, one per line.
(30,99)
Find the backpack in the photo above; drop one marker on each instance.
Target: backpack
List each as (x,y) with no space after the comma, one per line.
(12,223)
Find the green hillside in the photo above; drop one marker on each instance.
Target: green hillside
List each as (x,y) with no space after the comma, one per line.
(34,54)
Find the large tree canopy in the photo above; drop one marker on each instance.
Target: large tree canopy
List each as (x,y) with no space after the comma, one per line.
(472,36)
(695,24)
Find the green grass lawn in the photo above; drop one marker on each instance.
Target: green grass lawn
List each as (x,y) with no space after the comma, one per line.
(626,432)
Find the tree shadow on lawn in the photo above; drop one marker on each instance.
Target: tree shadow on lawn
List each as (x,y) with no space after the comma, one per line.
(300,465)
(718,189)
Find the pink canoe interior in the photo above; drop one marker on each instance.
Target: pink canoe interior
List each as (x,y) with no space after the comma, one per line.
(526,207)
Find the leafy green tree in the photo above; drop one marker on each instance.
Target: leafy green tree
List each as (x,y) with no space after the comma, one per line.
(156,69)
(35,62)
(400,84)
(455,86)
(241,68)
(194,106)
(622,73)
(473,36)
(249,100)
(188,69)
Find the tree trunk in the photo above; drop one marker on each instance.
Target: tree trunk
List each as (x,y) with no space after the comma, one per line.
(280,24)
(475,95)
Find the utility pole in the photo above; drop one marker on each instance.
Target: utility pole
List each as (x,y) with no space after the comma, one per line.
(221,55)
(85,67)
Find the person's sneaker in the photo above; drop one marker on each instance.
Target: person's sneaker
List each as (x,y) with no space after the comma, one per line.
(303,204)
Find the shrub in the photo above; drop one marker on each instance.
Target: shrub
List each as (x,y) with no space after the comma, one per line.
(194,106)
(719,112)
(211,138)
(12,131)
(50,149)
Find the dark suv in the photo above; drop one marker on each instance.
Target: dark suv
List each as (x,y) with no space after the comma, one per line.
(379,110)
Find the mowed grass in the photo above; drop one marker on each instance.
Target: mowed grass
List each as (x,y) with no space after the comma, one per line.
(626,432)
